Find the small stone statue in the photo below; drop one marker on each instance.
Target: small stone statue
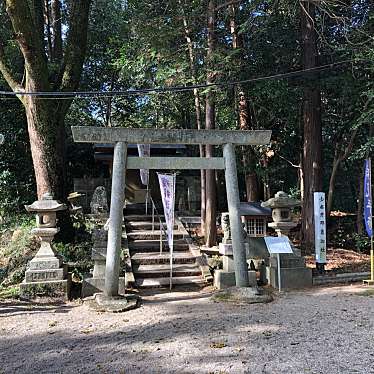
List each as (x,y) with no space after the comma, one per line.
(99,202)
(225,222)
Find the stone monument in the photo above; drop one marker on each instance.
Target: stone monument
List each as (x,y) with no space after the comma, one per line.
(95,283)
(46,275)
(99,202)
(294,273)
(226,277)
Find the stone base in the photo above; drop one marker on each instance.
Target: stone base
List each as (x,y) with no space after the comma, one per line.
(46,275)
(42,263)
(243,295)
(115,304)
(223,279)
(91,286)
(291,278)
(57,288)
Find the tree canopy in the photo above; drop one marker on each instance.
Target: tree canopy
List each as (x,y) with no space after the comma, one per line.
(258,44)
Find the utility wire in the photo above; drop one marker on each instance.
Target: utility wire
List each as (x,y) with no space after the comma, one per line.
(68,95)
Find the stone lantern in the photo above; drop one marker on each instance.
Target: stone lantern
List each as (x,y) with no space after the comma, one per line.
(75,207)
(293,271)
(281,205)
(45,274)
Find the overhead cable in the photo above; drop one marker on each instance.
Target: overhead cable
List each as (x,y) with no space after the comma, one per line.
(171,89)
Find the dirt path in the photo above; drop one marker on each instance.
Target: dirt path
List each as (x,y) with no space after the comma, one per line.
(326,330)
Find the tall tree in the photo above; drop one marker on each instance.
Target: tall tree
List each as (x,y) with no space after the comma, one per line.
(197,102)
(312,148)
(60,70)
(244,114)
(210,113)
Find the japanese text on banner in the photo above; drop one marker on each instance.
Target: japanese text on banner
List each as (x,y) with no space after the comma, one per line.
(167,188)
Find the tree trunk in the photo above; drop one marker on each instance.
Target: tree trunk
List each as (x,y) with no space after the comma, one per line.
(339,157)
(312,149)
(57,30)
(245,122)
(211,198)
(47,141)
(252,189)
(330,195)
(47,15)
(191,57)
(45,118)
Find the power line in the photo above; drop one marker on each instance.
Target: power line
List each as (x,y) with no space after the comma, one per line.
(60,95)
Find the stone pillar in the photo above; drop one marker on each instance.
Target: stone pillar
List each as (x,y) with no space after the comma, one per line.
(232,190)
(115,220)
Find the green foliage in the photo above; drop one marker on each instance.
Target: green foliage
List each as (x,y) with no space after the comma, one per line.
(362,242)
(18,248)
(77,253)
(11,292)
(215,262)
(17,186)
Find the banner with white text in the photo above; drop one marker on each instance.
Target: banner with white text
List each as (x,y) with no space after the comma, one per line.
(167,188)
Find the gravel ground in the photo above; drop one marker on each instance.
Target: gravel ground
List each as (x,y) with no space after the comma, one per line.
(324,330)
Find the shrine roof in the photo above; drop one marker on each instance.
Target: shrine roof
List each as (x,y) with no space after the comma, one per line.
(254,209)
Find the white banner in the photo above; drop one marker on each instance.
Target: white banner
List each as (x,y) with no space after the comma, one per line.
(167,188)
(320,227)
(144,150)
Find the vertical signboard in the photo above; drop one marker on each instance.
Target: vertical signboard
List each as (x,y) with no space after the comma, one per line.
(320,227)
(167,188)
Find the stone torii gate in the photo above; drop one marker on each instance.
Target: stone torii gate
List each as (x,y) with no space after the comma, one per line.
(123,136)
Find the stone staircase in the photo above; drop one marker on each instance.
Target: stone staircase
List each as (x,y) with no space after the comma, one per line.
(152,268)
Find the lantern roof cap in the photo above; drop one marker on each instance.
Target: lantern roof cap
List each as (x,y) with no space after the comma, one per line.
(281,200)
(45,204)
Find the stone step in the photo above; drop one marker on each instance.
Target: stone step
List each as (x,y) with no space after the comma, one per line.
(138,209)
(163,270)
(154,245)
(140,217)
(147,235)
(152,258)
(165,282)
(145,225)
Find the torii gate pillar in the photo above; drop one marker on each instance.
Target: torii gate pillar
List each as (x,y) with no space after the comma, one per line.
(232,191)
(112,262)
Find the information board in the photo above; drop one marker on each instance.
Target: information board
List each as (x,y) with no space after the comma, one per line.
(278,244)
